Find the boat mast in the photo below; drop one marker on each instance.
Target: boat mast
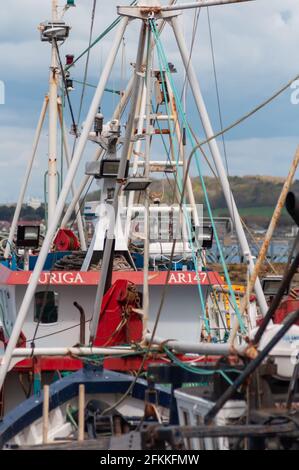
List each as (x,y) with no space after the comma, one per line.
(121,175)
(148,138)
(53,117)
(200,104)
(54,222)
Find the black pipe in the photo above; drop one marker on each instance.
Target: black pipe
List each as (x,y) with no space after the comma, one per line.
(244,430)
(292,206)
(110,269)
(82,323)
(286,280)
(252,366)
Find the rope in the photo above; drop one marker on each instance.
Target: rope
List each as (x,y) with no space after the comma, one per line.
(107,90)
(161,53)
(219,104)
(179,184)
(245,116)
(65,87)
(99,38)
(87,59)
(197,370)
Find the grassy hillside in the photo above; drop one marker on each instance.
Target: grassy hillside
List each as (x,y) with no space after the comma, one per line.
(256,196)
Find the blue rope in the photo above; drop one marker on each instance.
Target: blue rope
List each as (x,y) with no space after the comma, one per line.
(162,57)
(180,186)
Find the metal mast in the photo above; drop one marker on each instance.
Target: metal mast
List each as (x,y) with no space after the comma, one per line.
(53,116)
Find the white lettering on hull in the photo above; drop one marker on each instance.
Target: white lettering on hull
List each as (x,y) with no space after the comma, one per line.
(187,278)
(60,278)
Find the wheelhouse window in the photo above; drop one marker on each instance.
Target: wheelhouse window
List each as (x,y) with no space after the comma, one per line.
(46,307)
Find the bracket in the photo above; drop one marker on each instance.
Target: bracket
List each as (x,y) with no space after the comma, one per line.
(146,12)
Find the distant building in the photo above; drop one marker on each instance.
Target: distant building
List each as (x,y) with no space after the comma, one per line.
(34,203)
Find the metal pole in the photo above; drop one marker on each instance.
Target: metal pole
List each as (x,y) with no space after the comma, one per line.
(122,170)
(68,162)
(46,401)
(217,158)
(264,249)
(285,283)
(136,157)
(200,4)
(148,138)
(117,114)
(251,367)
(81,419)
(86,180)
(53,117)
(76,351)
(182,152)
(54,223)
(209,349)
(54,10)
(26,178)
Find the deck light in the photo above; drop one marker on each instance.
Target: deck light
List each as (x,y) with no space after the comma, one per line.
(271,284)
(28,236)
(137,184)
(106,168)
(207,236)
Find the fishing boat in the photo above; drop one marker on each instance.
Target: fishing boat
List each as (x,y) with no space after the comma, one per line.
(93,330)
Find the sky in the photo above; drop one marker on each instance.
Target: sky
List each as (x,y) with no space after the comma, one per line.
(256,53)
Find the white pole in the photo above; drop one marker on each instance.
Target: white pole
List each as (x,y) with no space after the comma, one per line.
(173,108)
(200,4)
(136,157)
(185,53)
(117,114)
(121,173)
(76,351)
(81,418)
(205,349)
(54,222)
(26,179)
(46,408)
(148,139)
(68,162)
(54,10)
(86,180)
(53,115)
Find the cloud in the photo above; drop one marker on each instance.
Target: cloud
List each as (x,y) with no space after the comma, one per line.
(255,47)
(258,156)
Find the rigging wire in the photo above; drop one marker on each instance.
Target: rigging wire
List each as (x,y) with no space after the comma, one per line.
(243,118)
(239,121)
(108,90)
(177,184)
(219,103)
(178,175)
(87,59)
(194,32)
(65,87)
(99,38)
(161,52)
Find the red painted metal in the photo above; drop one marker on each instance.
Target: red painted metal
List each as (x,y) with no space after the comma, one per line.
(66,240)
(91,278)
(130,364)
(119,324)
(287,306)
